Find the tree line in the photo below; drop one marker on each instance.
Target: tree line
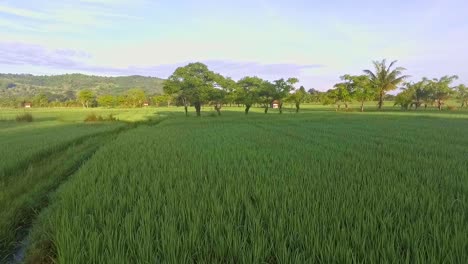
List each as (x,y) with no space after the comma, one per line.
(375,84)
(196,85)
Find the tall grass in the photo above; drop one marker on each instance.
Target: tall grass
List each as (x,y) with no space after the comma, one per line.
(332,188)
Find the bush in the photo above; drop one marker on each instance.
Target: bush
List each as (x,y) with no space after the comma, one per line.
(26,117)
(452,108)
(98,118)
(111,118)
(91,118)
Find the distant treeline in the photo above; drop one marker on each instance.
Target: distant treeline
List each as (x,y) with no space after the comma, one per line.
(195,85)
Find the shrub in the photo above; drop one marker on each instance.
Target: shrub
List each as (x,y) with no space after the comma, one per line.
(26,117)
(111,118)
(98,118)
(91,118)
(451,108)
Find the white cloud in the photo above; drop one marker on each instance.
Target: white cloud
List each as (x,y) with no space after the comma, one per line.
(23,13)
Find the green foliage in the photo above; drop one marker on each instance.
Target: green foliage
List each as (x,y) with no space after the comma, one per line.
(86,97)
(385,79)
(26,117)
(107,100)
(192,84)
(362,89)
(249,91)
(298,97)
(40,100)
(404,98)
(64,87)
(92,117)
(341,94)
(282,90)
(135,97)
(462,95)
(441,90)
(162,99)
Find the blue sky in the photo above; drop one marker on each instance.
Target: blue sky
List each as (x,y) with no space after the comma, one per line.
(316,41)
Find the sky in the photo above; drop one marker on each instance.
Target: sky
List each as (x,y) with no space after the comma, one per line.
(315,41)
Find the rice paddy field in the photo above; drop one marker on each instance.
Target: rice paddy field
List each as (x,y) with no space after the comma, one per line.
(315,187)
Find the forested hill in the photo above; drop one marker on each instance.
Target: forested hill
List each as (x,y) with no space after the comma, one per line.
(64,87)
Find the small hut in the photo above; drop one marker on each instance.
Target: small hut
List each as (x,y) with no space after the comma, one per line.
(145,104)
(275,104)
(27,105)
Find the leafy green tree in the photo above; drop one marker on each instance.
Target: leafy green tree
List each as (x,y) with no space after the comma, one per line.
(283,88)
(341,94)
(440,89)
(135,97)
(217,99)
(298,97)
(192,84)
(107,100)
(230,88)
(404,98)
(362,89)
(86,97)
(314,95)
(462,95)
(40,100)
(162,98)
(385,78)
(266,95)
(330,97)
(420,93)
(248,92)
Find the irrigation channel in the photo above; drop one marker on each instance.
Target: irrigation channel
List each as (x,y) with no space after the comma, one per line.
(81,149)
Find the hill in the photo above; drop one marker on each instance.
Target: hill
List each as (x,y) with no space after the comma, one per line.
(65,87)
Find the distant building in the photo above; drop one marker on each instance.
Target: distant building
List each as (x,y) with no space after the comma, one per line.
(275,104)
(145,104)
(27,105)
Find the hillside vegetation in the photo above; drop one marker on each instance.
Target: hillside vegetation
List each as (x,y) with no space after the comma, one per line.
(65,87)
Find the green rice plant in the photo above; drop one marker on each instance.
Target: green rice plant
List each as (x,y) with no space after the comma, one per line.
(308,188)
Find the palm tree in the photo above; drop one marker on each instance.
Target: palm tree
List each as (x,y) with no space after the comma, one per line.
(385,78)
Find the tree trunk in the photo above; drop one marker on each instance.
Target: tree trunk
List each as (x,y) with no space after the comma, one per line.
(381,95)
(281,107)
(247,108)
(297,107)
(197,108)
(266,109)
(346,106)
(439,105)
(186,105)
(218,108)
(362,106)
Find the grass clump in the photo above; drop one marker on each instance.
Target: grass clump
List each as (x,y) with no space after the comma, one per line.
(26,117)
(99,118)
